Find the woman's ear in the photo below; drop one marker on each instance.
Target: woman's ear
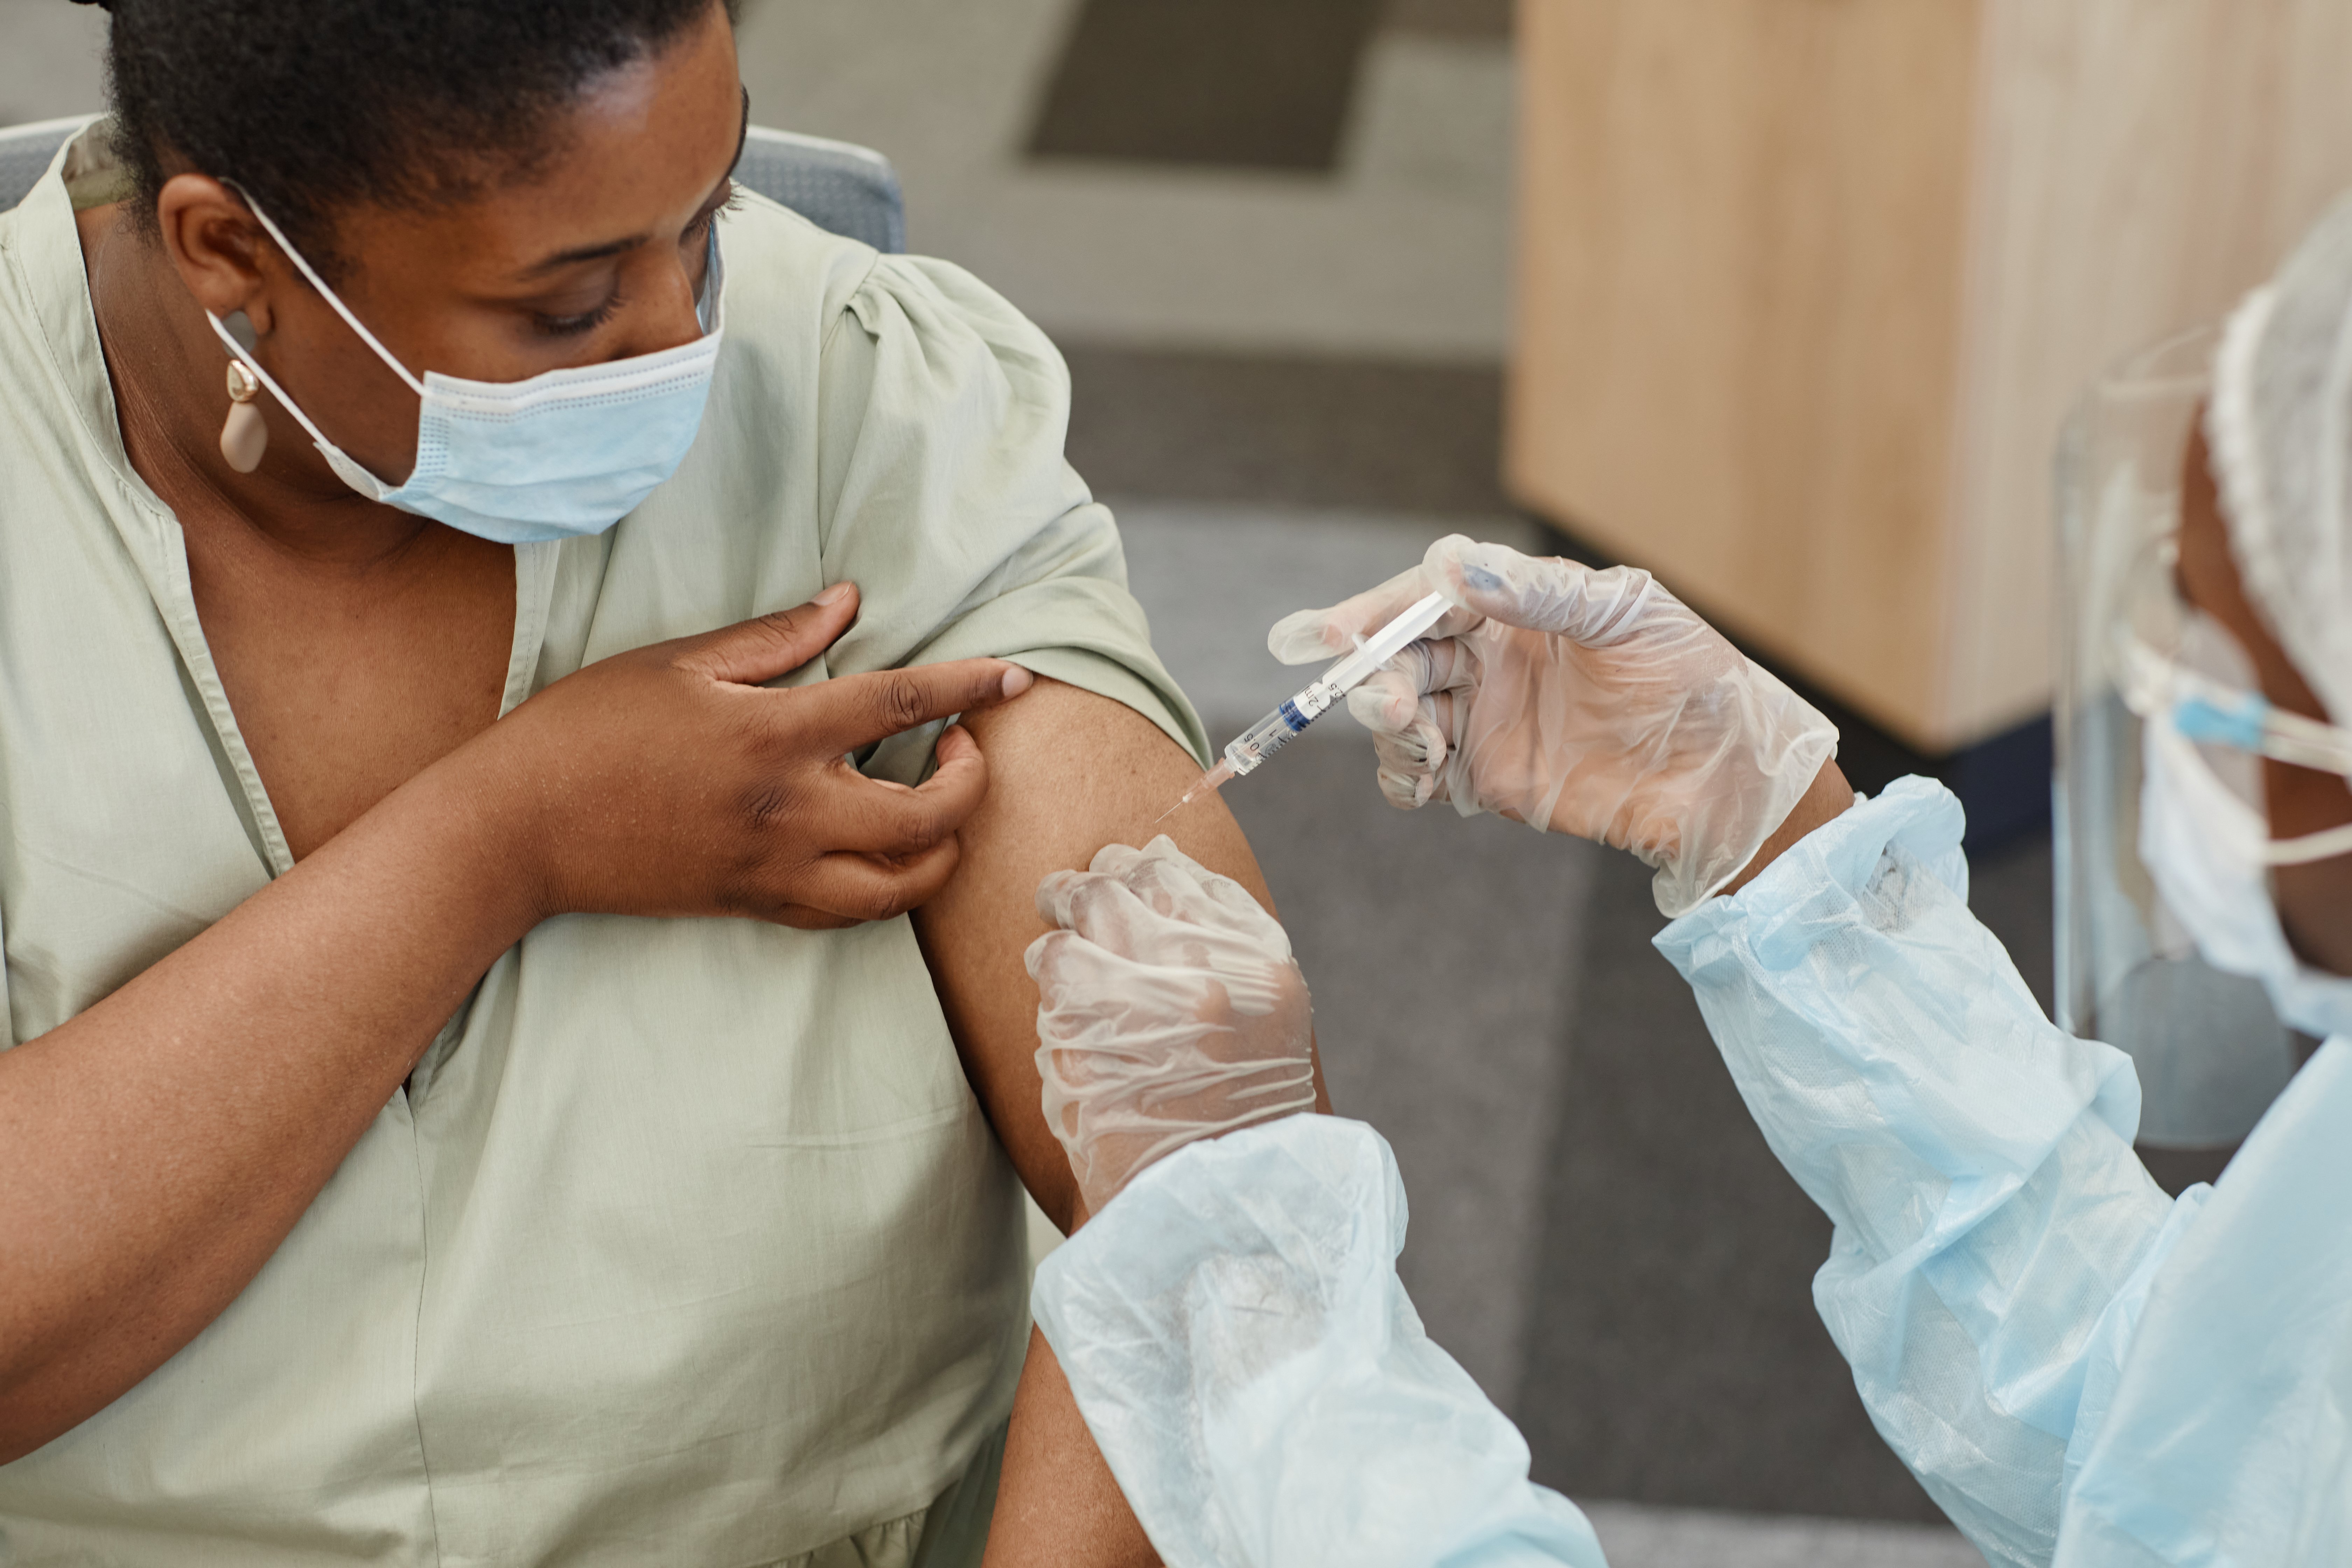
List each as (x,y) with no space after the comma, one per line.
(216,247)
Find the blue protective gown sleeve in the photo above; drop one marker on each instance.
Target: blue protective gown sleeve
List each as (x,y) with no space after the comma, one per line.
(1995,1233)
(1240,1346)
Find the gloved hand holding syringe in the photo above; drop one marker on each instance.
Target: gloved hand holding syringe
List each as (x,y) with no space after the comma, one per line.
(1274,732)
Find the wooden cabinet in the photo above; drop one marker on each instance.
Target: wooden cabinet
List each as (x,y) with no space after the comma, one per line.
(1806,286)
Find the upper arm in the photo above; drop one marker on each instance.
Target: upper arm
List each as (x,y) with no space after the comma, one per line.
(1069,772)
(945,496)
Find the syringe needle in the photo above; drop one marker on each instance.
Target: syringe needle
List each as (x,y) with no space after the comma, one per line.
(1212,780)
(1249,750)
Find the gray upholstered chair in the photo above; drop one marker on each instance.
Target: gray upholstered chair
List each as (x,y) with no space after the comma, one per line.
(849,189)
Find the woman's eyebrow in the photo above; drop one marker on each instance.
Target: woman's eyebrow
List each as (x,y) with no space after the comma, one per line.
(564,258)
(579,253)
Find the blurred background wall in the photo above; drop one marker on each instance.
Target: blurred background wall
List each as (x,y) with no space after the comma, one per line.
(1752,346)
(1808,288)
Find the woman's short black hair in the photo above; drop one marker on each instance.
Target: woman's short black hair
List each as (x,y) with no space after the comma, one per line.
(308,105)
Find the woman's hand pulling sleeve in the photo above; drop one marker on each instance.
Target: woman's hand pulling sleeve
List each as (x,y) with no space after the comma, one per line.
(1170,1009)
(1581,701)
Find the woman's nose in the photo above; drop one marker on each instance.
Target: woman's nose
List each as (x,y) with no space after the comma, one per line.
(668,315)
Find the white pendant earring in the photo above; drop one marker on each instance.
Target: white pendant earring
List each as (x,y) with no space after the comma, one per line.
(247,434)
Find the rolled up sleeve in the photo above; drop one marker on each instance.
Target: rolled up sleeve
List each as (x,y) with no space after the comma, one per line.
(944,492)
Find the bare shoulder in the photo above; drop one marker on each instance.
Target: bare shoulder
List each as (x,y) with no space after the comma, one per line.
(1071,772)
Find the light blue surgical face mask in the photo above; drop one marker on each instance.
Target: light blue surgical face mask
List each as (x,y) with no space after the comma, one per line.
(2208,847)
(562,455)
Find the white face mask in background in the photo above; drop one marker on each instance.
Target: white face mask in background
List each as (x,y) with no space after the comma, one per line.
(562,455)
(2210,852)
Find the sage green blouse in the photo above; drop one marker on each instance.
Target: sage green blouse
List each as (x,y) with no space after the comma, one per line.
(687,1242)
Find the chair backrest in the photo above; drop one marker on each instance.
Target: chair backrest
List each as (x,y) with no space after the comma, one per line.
(837,185)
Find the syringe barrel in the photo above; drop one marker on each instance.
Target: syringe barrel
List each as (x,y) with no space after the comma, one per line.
(1274,732)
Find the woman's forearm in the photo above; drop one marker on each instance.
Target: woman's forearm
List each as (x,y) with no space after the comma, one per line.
(1057,1503)
(155,1150)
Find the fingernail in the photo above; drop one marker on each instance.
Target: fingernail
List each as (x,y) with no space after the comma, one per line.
(1018,680)
(837,593)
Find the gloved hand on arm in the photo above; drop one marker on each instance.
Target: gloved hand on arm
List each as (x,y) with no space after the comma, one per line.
(1231,1319)
(1582,702)
(1169,1010)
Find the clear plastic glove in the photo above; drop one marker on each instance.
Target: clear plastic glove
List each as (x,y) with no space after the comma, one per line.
(1168,1010)
(1577,701)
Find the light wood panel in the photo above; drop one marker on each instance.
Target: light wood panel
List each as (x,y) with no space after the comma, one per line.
(2140,165)
(1739,269)
(1805,287)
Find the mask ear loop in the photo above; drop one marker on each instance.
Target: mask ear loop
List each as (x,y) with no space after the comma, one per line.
(238,351)
(244,357)
(2158,693)
(2324,845)
(320,283)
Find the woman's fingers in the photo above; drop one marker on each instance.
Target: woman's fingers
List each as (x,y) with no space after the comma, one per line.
(752,652)
(800,917)
(851,711)
(667,781)
(861,887)
(875,816)
(891,848)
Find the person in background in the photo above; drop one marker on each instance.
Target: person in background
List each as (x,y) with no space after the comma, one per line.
(2081,1370)
(474,1089)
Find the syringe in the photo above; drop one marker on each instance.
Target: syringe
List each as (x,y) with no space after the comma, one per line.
(1271,734)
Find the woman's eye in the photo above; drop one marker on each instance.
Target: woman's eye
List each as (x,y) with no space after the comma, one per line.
(700,227)
(572,326)
(696,233)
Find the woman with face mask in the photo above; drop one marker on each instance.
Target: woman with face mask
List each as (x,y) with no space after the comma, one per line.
(479,602)
(2080,1369)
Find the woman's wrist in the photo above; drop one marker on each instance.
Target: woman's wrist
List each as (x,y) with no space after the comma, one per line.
(1828,797)
(467,816)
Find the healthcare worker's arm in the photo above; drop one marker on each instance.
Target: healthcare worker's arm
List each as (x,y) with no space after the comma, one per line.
(1995,1233)
(1231,1319)
(1075,772)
